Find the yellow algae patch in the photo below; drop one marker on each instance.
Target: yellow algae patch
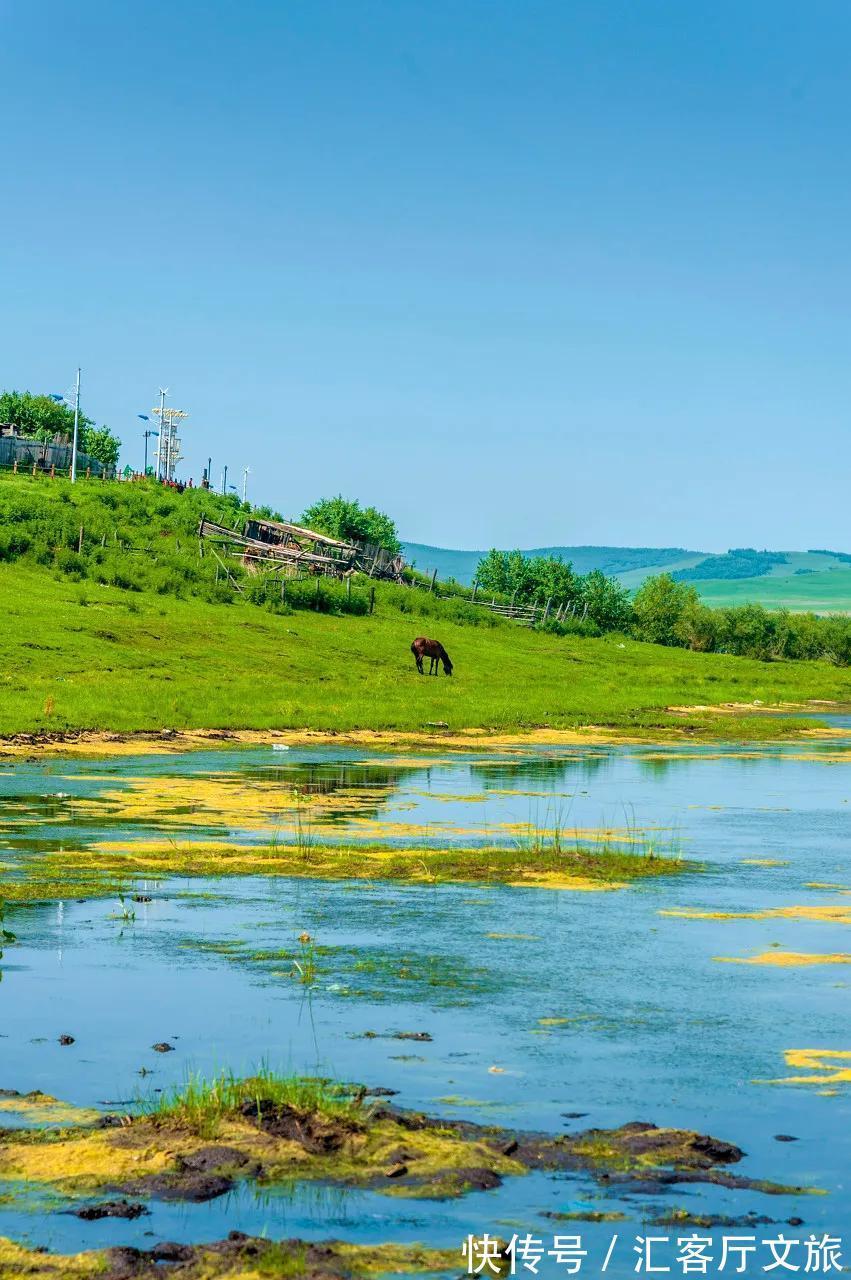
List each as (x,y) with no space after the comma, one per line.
(84,1162)
(514,937)
(90,1160)
(839,913)
(553,1022)
(106,743)
(471,797)
(544,867)
(818,884)
(216,799)
(826,1066)
(17,1261)
(787,959)
(41,1108)
(557,880)
(763,862)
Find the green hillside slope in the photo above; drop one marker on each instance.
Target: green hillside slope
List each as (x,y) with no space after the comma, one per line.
(818,580)
(825,592)
(78,656)
(140,632)
(630,564)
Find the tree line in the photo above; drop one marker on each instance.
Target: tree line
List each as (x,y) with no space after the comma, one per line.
(662,611)
(39,417)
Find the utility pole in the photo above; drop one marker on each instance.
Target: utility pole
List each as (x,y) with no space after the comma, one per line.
(224,481)
(245,474)
(76,430)
(161,437)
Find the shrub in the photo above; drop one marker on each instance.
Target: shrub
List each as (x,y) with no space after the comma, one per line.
(659,606)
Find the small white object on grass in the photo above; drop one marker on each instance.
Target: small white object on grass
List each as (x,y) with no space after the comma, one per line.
(280,746)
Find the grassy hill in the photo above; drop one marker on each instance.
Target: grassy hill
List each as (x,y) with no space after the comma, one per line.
(135,633)
(818,580)
(625,563)
(106,658)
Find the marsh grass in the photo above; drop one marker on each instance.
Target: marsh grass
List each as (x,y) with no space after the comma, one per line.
(84,873)
(126,914)
(305,967)
(551,841)
(203,1103)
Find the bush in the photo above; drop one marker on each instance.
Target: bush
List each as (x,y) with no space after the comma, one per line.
(659,606)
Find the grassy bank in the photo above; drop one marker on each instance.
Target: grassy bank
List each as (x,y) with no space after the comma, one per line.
(84,656)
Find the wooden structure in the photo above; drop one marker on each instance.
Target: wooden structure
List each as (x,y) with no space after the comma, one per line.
(293,550)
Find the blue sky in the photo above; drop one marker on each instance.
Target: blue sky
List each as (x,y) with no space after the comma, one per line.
(519,273)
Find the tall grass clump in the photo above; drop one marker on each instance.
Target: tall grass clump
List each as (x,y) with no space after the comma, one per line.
(202,1104)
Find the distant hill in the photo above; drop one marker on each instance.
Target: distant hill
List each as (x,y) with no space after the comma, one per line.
(817,580)
(621,562)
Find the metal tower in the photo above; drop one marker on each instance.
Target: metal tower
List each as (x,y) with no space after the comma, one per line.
(168,446)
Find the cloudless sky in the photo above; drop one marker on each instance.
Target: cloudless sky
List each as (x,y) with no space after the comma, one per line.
(520,272)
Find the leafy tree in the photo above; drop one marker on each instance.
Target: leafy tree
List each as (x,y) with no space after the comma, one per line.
(697,627)
(608,602)
(99,443)
(345,518)
(42,418)
(659,606)
(39,417)
(492,572)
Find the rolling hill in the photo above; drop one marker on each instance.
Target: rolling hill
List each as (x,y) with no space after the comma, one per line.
(817,580)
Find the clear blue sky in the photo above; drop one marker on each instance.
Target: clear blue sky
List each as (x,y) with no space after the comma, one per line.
(573,271)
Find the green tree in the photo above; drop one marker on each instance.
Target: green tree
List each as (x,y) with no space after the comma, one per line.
(608,602)
(42,418)
(659,606)
(345,518)
(99,443)
(492,572)
(39,417)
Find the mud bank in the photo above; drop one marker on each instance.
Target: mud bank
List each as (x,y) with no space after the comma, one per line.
(200,1145)
(239,1257)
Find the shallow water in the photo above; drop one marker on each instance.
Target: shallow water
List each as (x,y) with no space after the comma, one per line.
(538,1002)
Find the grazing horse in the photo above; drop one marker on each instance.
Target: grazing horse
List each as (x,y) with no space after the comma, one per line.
(433,649)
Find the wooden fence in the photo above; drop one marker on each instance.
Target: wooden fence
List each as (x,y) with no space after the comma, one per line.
(527,615)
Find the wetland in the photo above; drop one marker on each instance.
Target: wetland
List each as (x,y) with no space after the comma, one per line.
(440,991)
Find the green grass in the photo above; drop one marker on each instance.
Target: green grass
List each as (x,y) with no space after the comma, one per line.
(828,591)
(85,656)
(201,1103)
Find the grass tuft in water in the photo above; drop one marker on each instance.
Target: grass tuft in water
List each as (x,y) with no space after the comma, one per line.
(305,968)
(202,1104)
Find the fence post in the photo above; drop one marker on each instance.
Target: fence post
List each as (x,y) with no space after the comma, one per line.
(15,467)
(475,589)
(547,609)
(433,577)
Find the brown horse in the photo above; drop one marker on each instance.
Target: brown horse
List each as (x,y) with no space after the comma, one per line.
(433,649)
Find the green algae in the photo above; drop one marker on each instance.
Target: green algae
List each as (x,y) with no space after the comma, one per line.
(241,1259)
(370,971)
